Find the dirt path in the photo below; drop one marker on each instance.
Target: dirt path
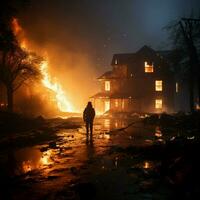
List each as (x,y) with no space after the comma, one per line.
(66,165)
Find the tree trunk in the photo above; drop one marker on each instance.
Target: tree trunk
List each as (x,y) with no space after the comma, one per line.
(10,98)
(191,89)
(194,62)
(191,80)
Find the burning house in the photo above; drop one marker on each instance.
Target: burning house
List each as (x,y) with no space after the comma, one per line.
(138,82)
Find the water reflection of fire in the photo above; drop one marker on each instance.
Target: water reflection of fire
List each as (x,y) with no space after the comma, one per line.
(46,158)
(30,165)
(26,166)
(61,99)
(158,132)
(146,165)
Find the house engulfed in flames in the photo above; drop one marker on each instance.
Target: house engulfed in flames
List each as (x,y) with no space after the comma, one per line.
(138,82)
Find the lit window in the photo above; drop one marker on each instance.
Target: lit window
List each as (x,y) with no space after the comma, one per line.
(158,85)
(123,104)
(107,85)
(107,105)
(116,62)
(177,89)
(158,104)
(116,103)
(148,68)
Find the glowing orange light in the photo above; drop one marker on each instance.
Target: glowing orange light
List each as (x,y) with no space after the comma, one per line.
(26,166)
(146,165)
(62,101)
(46,158)
(16,27)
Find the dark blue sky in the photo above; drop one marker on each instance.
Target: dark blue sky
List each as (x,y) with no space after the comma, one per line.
(100,28)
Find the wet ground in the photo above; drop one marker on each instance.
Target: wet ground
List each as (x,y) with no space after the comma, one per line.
(69,167)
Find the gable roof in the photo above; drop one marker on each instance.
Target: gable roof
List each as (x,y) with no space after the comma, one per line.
(146,51)
(106,75)
(122,58)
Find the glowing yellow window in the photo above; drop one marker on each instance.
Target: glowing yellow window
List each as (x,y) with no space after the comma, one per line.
(107,85)
(158,104)
(123,104)
(148,68)
(177,88)
(116,103)
(107,105)
(158,85)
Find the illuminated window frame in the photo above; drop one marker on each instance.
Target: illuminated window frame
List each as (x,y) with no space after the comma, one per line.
(107,85)
(148,68)
(158,104)
(177,87)
(116,103)
(123,104)
(158,85)
(106,105)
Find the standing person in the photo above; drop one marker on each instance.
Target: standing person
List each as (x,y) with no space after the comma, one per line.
(88,117)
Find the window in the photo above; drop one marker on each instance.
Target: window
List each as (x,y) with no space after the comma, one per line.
(107,85)
(177,89)
(116,103)
(158,85)
(123,104)
(107,105)
(158,104)
(148,68)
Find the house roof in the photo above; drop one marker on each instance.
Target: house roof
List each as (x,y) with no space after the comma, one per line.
(126,58)
(122,58)
(117,95)
(106,75)
(109,75)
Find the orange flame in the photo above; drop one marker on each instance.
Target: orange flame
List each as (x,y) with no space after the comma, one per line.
(62,101)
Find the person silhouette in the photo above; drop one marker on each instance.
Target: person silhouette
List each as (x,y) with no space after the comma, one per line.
(88,117)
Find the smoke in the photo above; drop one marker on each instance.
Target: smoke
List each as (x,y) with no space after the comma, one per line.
(64,39)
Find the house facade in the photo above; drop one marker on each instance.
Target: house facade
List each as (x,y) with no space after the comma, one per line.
(138,82)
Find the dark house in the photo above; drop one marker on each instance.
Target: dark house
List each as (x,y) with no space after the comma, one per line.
(138,82)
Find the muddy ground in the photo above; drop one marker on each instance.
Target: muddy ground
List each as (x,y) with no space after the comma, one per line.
(55,162)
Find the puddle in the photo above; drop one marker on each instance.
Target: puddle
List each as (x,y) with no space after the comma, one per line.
(63,160)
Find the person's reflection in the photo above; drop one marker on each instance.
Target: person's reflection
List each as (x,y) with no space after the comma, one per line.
(90,150)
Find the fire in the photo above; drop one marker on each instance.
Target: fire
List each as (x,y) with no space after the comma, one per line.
(62,101)
(16,27)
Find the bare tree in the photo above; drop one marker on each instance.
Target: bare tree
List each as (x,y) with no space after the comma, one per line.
(16,65)
(185,34)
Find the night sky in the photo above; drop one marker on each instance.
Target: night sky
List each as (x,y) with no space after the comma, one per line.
(100,28)
(81,36)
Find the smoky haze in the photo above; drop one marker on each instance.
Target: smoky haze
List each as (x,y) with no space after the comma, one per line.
(81,36)
(65,39)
